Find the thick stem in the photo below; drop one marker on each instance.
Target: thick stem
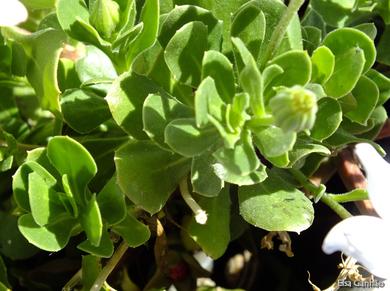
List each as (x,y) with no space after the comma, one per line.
(352,196)
(109,267)
(73,281)
(281,29)
(335,206)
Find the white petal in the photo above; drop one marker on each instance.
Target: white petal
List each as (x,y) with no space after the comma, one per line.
(365,238)
(378,177)
(12,12)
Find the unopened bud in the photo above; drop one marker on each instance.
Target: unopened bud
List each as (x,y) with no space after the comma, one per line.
(104,16)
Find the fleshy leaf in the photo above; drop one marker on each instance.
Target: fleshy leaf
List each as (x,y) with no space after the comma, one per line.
(91,221)
(189,43)
(218,223)
(275,205)
(328,119)
(105,249)
(148,174)
(273,141)
(323,61)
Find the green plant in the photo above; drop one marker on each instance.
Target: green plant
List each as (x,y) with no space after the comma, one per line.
(234,104)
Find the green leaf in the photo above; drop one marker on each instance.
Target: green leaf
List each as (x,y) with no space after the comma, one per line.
(218,223)
(73,17)
(203,178)
(348,68)
(242,159)
(323,62)
(248,24)
(157,112)
(182,15)
(208,102)
(94,65)
(39,4)
(257,176)
(378,118)
(67,75)
(104,16)
(304,148)
(45,202)
(133,232)
(12,243)
(296,66)
(242,55)
(270,73)
(185,138)
(147,37)
(105,249)
(112,203)
(343,40)
(43,49)
(20,182)
(91,221)
(184,53)
(366,94)
(384,42)
(236,115)
(218,67)
(125,100)
(61,150)
(52,237)
(368,28)
(275,205)
(334,12)
(328,119)
(76,108)
(383,84)
(148,174)
(311,38)
(273,141)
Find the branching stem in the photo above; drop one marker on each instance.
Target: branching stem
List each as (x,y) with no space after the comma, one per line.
(200,214)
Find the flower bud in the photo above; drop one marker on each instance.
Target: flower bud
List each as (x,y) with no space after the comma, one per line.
(104,16)
(294,109)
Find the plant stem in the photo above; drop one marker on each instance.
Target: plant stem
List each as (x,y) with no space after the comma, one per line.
(73,281)
(200,214)
(335,206)
(281,29)
(355,195)
(109,267)
(319,191)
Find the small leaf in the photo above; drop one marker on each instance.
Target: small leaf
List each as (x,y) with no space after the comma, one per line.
(343,40)
(296,66)
(181,15)
(323,62)
(105,249)
(275,205)
(303,148)
(76,108)
(208,102)
(112,203)
(148,174)
(257,176)
(249,25)
(273,141)
(91,221)
(185,138)
(218,67)
(383,84)
(20,182)
(147,37)
(311,38)
(218,223)
(82,168)
(203,178)
(52,237)
(270,73)
(133,232)
(242,159)
(45,202)
(125,100)
(328,119)
(189,43)
(366,94)
(348,68)
(157,112)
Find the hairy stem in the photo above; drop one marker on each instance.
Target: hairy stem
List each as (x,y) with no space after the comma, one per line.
(281,29)
(109,267)
(355,195)
(200,214)
(335,206)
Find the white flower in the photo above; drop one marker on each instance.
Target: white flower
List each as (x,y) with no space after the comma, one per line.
(12,12)
(367,238)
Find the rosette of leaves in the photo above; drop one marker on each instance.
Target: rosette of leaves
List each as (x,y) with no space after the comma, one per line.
(51,187)
(198,104)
